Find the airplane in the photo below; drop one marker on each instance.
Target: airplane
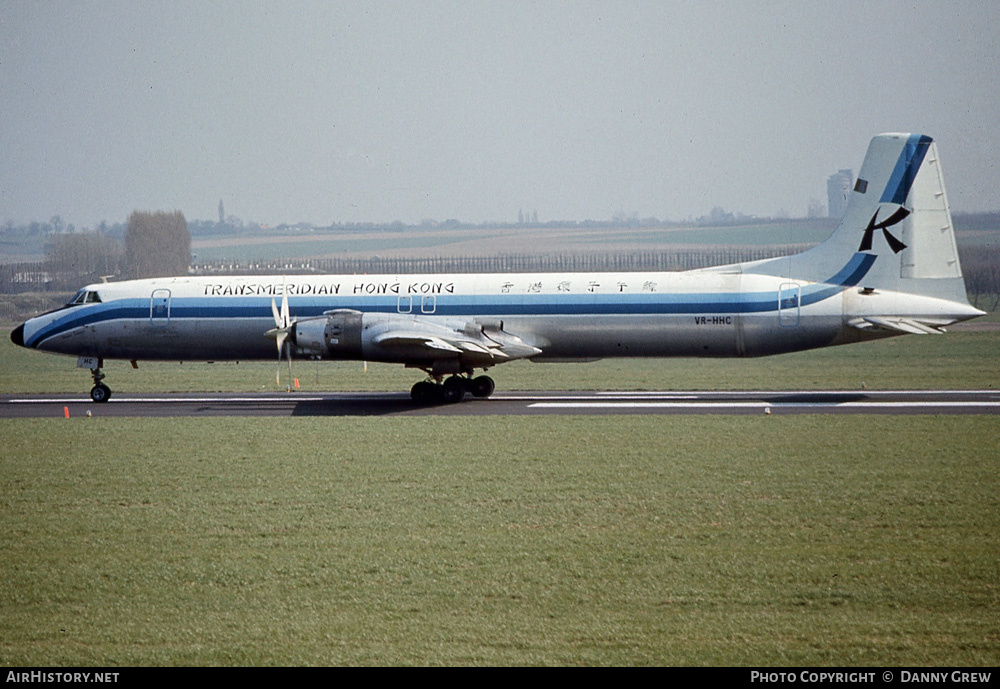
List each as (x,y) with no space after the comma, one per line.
(891,267)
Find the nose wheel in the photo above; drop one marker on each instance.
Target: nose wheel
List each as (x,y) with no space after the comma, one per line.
(100,392)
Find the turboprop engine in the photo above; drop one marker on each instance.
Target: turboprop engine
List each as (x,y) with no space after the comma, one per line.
(334,335)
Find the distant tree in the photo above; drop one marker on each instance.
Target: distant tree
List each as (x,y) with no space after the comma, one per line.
(79,258)
(157,244)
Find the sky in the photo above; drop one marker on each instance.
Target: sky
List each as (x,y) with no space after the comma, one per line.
(334,112)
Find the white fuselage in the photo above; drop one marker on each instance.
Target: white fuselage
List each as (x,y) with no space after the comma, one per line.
(717,312)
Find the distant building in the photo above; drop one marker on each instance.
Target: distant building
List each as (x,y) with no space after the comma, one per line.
(837,188)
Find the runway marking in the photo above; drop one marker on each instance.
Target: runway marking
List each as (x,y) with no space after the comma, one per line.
(640,395)
(621,395)
(757,405)
(650,405)
(164,400)
(758,393)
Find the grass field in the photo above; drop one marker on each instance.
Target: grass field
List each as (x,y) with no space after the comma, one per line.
(800,540)
(483,241)
(643,540)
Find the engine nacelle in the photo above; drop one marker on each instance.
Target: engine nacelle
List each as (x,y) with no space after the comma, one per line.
(336,335)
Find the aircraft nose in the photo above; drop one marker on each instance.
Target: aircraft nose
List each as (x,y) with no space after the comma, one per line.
(17,335)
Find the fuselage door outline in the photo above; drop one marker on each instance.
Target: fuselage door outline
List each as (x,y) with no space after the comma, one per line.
(428,303)
(159,306)
(789,295)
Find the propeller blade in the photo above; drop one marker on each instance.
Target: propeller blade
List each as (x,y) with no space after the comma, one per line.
(282,329)
(285,353)
(274,312)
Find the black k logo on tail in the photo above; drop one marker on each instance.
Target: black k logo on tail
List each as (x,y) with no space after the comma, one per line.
(894,244)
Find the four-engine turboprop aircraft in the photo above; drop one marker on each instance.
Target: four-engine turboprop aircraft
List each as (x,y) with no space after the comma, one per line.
(891,267)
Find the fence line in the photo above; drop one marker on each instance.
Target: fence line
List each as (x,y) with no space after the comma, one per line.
(502,263)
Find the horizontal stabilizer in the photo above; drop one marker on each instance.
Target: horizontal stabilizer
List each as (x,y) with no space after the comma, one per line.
(899,324)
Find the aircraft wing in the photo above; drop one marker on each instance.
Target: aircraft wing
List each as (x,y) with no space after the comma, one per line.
(421,346)
(474,343)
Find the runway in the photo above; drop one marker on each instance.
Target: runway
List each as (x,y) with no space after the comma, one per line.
(507,403)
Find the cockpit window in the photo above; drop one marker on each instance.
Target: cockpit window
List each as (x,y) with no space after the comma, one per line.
(84,297)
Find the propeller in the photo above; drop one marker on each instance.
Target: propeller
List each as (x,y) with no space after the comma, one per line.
(283,324)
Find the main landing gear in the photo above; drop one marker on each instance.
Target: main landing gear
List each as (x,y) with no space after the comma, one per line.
(451,390)
(100,392)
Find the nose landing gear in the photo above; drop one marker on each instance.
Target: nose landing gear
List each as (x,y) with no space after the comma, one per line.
(100,392)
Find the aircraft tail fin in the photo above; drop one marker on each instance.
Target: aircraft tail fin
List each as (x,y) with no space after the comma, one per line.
(897,220)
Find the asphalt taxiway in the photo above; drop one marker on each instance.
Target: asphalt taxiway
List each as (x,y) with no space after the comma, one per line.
(507,403)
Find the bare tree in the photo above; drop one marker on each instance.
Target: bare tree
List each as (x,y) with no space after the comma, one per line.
(157,244)
(76,259)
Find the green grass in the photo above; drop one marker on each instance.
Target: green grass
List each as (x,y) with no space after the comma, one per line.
(642,540)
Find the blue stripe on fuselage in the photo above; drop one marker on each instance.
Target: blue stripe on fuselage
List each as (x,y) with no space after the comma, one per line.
(467,305)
